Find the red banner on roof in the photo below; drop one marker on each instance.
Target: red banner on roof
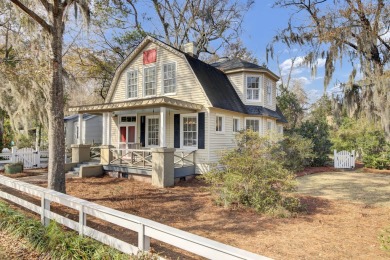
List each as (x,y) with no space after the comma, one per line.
(150,56)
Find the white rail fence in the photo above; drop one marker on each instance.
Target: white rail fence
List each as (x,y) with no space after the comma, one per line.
(145,228)
(344,159)
(29,157)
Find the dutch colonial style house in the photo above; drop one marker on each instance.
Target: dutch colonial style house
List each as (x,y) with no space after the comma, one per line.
(163,97)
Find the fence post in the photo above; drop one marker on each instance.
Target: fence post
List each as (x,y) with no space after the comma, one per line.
(335,158)
(38,158)
(82,220)
(45,205)
(143,241)
(13,154)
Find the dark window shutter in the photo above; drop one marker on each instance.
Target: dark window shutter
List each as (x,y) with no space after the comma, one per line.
(176,130)
(142,132)
(201,130)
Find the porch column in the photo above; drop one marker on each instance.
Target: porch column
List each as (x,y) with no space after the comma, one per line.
(104,132)
(163,127)
(79,141)
(108,136)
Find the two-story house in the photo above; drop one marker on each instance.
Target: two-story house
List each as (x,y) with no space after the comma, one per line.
(164,97)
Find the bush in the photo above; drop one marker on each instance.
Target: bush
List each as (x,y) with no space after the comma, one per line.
(366,139)
(318,132)
(253,175)
(298,152)
(54,241)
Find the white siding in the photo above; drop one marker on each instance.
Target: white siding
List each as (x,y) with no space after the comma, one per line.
(93,133)
(220,142)
(237,80)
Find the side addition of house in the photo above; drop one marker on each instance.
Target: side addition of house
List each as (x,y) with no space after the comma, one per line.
(164,97)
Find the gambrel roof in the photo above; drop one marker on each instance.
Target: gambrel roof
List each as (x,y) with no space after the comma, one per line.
(215,84)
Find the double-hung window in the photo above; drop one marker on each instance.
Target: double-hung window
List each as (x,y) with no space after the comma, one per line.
(132,84)
(190,131)
(269,93)
(252,124)
(236,124)
(150,81)
(269,126)
(253,88)
(169,78)
(219,124)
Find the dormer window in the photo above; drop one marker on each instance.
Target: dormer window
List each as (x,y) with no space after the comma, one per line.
(253,88)
(150,81)
(169,76)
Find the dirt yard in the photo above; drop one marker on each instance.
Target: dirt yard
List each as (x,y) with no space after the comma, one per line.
(346,213)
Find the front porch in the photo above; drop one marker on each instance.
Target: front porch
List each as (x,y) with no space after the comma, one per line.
(140,135)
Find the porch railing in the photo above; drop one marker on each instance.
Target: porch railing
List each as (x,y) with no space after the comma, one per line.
(184,158)
(95,151)
(132,157)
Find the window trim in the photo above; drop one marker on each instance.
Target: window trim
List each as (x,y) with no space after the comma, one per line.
(144,82)
(254,118)
(260,87)
(127,83)
(147,130)
(182,116)
(223,124)
(162,78)
(238,125)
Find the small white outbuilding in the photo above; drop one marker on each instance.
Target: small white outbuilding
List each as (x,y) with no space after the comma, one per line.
(91,129)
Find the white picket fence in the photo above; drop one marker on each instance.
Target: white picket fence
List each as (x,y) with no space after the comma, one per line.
(344,159)
(29,157)
(145,228)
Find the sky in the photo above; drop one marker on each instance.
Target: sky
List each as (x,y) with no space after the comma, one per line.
(261,23)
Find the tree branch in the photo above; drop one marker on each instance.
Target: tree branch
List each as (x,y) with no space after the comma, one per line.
(33,15)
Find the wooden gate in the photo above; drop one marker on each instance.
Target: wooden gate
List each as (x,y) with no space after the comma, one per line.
(29,157)
(344,159)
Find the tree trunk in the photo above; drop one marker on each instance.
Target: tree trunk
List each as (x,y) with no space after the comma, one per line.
(56,171)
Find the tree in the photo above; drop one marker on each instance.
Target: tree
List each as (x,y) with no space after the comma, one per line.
(345,29)
(50,17)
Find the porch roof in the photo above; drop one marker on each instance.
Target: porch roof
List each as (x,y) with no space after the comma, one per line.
(137,103)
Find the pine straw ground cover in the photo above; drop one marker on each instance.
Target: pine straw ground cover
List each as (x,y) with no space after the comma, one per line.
(336,226)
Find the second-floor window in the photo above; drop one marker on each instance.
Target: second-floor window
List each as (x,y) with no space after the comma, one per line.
(269,93)
(150,81)
(253,88)
(132,84)
(169,78)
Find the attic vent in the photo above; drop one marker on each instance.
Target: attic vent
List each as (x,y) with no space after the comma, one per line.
(190,48)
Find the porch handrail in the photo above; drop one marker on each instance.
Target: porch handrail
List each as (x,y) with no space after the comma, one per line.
(182,157)
(145,228)
(132,157)
(95,151)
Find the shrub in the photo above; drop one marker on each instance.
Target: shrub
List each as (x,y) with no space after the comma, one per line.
(298,152)
(367,139)
(253,175)
(318,132)
(54,241)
